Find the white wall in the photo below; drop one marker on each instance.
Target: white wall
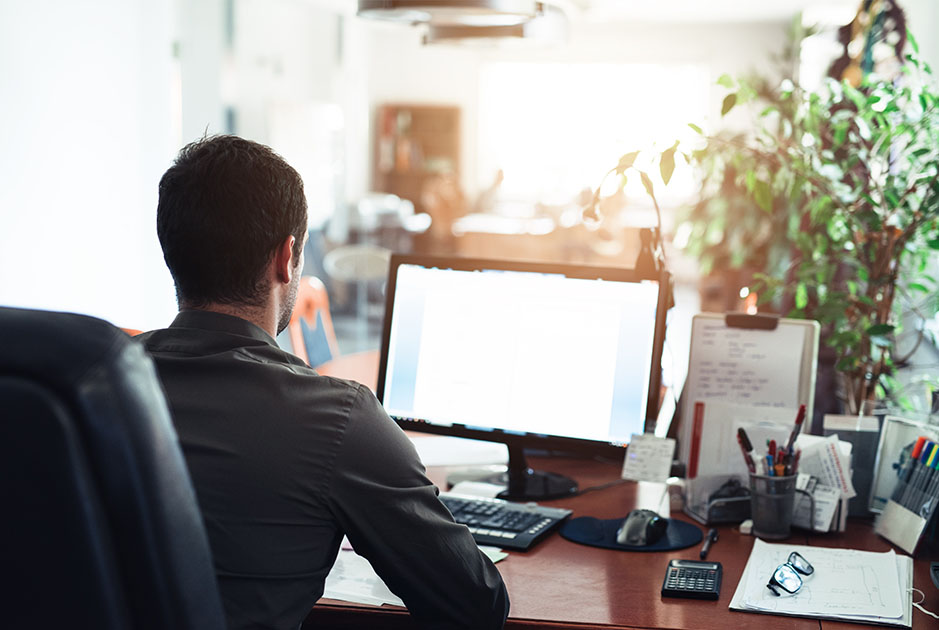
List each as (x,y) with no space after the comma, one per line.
(87,111)
(401,69)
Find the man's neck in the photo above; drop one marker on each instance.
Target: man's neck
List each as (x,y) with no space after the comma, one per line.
(263,317)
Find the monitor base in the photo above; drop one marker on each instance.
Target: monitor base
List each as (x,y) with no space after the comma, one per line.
(535,485)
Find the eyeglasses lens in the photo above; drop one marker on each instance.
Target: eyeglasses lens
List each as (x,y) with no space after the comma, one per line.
(786,577)
(800,564)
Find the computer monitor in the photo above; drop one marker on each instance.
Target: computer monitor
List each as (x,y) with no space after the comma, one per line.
(533,355)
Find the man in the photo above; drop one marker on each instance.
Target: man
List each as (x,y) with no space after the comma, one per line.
(284,461)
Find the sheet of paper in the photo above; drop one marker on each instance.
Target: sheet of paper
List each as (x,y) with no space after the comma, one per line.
(753,367)
(826,503)
(829,460)
(719,453)
(443,450)
(493,553)
(648,458)
(352,579)
(845,582)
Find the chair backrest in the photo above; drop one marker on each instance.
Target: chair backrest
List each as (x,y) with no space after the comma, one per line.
(100,524)
(310,330)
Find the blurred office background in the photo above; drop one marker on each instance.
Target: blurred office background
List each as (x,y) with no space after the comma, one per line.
(481,149)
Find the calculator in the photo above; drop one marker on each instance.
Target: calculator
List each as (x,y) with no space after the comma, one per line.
(693,579)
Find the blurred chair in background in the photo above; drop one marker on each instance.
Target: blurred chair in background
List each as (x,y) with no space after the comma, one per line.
(310,334)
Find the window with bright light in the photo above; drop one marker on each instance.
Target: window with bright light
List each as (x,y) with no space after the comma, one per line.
(555,129)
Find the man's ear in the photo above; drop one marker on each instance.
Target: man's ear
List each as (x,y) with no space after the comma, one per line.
(284,267)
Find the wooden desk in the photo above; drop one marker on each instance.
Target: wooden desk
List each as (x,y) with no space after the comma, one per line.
(560,584)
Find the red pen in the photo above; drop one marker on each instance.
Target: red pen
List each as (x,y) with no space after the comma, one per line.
(746,447)
(772,448)
(800,418)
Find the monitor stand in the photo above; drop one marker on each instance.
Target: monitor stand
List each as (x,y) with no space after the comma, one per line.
(524,484)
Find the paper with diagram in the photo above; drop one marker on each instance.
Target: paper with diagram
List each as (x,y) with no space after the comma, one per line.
(847,584)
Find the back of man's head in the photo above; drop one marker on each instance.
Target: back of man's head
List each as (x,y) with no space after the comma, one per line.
(225,205)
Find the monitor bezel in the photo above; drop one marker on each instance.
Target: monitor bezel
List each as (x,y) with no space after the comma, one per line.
(531,440)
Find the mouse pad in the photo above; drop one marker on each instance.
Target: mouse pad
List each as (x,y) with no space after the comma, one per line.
(595,532)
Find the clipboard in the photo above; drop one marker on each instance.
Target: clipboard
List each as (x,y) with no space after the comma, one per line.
(741,362)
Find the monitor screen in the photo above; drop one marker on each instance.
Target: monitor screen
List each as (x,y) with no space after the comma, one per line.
(520,352)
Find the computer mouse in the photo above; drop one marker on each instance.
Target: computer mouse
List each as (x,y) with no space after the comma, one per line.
(641,527)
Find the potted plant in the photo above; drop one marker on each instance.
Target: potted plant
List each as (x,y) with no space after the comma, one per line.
(848,177)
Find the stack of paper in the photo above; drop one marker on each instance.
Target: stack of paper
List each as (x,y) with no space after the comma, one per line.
(847,585)
(827,463)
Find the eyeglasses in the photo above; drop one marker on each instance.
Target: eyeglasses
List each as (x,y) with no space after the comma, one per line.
(786,576)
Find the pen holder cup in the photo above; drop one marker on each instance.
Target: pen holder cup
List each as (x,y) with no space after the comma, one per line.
(771,505)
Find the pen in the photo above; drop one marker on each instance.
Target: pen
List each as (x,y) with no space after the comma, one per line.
(746,447)
(769,465)
(779,469)
(772,449)
(800,418)
(711,537)
(795,463)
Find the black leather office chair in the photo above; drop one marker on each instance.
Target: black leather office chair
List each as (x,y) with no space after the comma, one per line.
(99,526)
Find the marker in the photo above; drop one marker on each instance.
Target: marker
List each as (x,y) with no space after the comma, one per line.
(907,473)
(915,487)
(772,448)
(906,487)
(769,465)
(929,473)
(711,537)
(746,447)
(800,418)
(932,492)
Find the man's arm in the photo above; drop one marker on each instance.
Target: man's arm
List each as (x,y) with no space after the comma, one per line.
(390,511)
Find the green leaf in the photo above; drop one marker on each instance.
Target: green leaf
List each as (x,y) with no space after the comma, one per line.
(626,161)
(933,243)
(647,183)
(696,128)
(725,80)
(802,296)
(667,163)
(913,43)
(846,364)
(763,195)
(880,329)
(729,101)
(916,286)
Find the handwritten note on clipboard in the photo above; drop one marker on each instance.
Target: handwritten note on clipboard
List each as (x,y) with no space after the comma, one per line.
(746,362)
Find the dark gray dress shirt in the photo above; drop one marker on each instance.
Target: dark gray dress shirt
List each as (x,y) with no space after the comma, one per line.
(285,461)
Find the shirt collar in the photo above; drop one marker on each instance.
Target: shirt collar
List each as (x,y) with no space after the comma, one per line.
(208,320)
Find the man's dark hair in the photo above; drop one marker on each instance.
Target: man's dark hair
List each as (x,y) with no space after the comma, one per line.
(225,206)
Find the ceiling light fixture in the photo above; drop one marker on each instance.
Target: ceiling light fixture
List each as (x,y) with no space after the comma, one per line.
(478,13)
(551,27)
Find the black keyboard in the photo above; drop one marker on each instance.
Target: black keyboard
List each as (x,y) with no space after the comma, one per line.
(501,523)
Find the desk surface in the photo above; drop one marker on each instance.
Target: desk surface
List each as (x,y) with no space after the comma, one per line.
(584,587)
(560,584)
